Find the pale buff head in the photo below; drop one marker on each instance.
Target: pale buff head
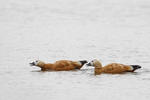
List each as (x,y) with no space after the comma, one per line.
(37,63)
(95,63)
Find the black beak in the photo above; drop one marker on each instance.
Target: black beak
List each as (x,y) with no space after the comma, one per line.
(89,64)
(136,67)
(32,64)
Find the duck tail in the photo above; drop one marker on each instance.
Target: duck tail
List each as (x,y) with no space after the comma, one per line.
(135,67)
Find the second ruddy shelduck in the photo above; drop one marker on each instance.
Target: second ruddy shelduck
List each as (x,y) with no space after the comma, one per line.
(113,68)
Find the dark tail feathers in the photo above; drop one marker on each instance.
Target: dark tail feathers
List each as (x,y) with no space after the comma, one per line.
(135,67)
(83,62)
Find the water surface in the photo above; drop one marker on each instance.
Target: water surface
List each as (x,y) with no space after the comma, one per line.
(111,31)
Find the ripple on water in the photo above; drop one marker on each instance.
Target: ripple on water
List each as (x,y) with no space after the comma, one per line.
(146,79)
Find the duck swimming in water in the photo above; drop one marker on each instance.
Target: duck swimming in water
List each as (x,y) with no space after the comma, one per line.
(61,65)
(113,68)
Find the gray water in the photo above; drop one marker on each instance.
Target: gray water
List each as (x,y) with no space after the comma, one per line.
(111,31)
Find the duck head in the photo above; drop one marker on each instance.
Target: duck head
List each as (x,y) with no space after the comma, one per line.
(95,63)
(37,63)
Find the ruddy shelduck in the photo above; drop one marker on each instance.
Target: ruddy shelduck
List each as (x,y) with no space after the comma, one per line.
(113,68)
(61,65)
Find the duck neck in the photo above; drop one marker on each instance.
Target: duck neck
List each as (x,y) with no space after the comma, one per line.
(98,68)
(41,65)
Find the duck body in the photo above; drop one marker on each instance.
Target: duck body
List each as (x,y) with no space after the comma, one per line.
(61,65)
(113,68)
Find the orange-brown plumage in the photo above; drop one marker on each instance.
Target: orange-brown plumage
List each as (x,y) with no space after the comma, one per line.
(113,68)
(116,68)
(61,65)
